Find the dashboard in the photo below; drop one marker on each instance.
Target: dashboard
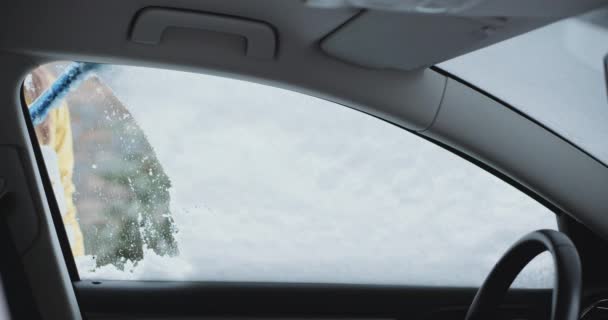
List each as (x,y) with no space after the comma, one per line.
(597,310)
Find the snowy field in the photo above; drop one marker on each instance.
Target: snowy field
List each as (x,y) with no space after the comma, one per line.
(271,185)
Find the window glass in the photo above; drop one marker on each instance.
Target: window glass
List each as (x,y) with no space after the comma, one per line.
(166,175)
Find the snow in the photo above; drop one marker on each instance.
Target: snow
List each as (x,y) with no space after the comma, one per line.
(271,185)
(28,83)
(52,164)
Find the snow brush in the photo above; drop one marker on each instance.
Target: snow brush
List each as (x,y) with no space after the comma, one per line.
(73,75)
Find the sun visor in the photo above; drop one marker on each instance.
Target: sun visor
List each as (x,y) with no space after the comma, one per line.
(400,35)
(470,8)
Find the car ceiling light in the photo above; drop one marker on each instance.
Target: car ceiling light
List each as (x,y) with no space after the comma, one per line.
(411,6)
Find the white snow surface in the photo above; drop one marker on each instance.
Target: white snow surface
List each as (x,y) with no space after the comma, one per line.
(272,185)
(28,82)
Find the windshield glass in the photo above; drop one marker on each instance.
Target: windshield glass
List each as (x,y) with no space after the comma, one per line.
(554,74)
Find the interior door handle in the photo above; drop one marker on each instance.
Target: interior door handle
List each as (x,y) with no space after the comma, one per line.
(151,23)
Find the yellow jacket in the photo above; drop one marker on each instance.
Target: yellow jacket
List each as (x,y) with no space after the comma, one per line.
(56,132)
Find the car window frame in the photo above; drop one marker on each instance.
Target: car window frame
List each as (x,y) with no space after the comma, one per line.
(62,233)
(60,230)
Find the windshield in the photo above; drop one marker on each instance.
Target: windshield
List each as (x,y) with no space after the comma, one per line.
(554,75)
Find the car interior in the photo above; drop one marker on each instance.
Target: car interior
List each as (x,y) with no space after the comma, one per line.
(382,58)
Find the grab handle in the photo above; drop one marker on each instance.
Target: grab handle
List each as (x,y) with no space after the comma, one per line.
(151,23)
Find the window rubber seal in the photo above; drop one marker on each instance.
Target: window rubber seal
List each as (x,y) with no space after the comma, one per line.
(62,235)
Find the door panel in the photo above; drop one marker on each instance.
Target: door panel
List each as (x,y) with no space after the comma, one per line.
(140,299)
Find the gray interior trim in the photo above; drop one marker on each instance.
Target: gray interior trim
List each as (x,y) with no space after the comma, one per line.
(407,41)
(524,151)
(298,64)
(151,23)
(30,220)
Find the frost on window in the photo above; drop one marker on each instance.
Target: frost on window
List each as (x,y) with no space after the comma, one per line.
(181,176)
(124,182)
(112,191)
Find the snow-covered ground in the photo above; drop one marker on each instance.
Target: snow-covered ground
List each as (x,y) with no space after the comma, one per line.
(271,185)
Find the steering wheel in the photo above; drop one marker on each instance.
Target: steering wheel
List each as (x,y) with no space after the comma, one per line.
(568,276)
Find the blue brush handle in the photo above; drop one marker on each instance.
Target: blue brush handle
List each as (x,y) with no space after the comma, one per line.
(49,99)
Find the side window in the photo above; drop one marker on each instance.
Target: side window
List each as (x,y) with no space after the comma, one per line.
(166,175)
